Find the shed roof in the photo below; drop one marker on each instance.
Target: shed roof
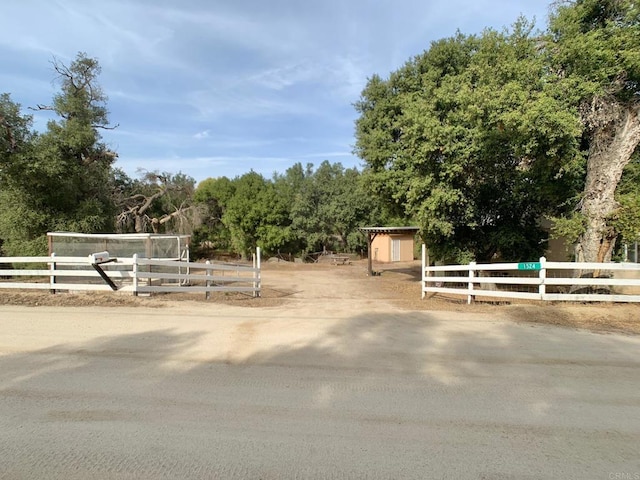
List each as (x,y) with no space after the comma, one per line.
(390,230)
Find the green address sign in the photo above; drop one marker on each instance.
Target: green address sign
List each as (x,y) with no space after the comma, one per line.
(529,266)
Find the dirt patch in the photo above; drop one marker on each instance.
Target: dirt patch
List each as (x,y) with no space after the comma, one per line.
(270,298)
(397,285)
(602,318)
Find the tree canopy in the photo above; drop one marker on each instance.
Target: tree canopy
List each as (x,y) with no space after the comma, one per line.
(466,140)
(59,179)
(482,136)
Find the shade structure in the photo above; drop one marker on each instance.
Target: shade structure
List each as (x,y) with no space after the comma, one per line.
(372,232)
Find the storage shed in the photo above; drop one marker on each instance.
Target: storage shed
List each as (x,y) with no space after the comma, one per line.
(390,244)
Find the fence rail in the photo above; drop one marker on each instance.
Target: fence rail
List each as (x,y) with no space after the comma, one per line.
(135,275)
(540,280)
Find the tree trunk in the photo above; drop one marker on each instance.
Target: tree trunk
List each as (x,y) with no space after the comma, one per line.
(612,146)
(139,223)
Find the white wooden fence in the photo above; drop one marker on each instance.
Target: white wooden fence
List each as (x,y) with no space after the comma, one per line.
(539,280)
(135,275)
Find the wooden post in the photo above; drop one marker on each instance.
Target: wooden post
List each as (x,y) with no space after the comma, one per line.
(52,277)
(471,297)
(148,250)
(135,274)
(208,293)
(370,237)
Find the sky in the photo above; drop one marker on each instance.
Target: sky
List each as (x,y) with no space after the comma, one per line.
(215,88)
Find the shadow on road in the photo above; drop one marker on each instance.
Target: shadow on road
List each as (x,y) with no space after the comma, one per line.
(406,395)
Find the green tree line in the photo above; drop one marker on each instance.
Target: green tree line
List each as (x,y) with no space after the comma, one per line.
(302,211)
(65,179)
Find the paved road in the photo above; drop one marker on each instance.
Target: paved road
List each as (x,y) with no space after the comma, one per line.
(228,392)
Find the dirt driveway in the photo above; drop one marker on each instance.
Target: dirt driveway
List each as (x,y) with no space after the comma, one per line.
(398,287)
(321,287)
(334,375)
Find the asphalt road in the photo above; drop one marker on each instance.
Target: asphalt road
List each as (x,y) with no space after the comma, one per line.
(314,392)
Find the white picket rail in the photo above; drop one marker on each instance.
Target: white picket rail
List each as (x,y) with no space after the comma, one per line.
(540,280)
(134,275)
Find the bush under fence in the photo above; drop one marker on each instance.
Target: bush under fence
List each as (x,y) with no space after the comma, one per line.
(134,275)
(537,280)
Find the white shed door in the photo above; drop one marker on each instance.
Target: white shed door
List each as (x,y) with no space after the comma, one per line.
(395,250)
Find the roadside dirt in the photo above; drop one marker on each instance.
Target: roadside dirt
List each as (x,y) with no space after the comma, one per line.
(398,285)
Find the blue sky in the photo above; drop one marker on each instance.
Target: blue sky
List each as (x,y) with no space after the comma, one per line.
(217,88)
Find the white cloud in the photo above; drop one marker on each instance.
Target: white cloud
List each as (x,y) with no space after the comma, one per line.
(241,103)
(281,77)
(202,135)
(201,167)
(208,85)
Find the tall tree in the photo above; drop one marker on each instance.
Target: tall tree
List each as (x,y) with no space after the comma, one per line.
(595,47)
(329,207)
(72,153)
(471,139)
(63,180)
(242,216)
(213,195)
(17,221)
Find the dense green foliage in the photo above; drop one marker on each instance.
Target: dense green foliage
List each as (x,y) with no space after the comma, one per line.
(626,219)
(480,137)
(60,179)
(471,140)
(329,207)
(594,45)
(301,211)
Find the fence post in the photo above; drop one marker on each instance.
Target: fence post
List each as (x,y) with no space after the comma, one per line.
(52,277)
(424,275)
(256,275)
(135,274)
(542,289)
(471,297)
(208,293)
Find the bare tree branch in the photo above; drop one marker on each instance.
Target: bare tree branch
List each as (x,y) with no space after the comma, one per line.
(39,107)
(137,208)
(105,127)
